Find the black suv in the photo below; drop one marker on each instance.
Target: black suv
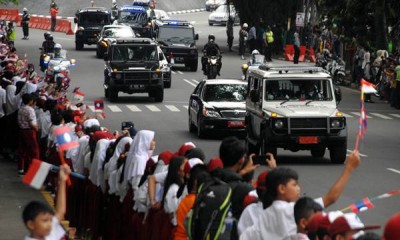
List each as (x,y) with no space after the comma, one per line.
(133,66)
(90,21)
(177,39)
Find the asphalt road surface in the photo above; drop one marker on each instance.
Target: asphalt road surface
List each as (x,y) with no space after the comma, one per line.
(378,173)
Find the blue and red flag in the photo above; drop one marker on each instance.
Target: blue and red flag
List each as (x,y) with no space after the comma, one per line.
(98,105)
(64,139)
(362,205)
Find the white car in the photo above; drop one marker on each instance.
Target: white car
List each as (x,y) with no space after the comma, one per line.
(160,14)
(211,5)
(220,16)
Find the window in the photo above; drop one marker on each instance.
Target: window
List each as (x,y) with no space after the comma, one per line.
(224,93)
(176,34)
(134,53)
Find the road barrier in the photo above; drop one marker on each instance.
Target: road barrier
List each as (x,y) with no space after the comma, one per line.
(289,52)
(37,21)
(304,53)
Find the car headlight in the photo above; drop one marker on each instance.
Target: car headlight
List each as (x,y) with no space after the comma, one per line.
(210,113)
(155,75)
(336,123)
(118,76)
(279,124)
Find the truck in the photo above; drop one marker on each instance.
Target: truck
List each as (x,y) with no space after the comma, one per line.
(294,108)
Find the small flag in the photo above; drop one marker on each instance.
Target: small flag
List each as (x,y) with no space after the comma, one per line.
(98,105)
(101,115)
(361,206)
(79,96)
(75,89)
(64,138)
(36,174)
(367,87)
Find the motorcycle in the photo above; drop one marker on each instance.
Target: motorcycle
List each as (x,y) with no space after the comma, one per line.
(212,67)
(334,66)
(57,70)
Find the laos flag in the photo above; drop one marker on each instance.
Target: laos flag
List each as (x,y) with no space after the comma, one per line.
(64,139)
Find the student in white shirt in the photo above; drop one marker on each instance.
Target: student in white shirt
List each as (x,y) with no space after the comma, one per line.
(277,220)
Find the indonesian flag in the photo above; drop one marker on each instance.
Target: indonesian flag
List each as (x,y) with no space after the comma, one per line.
(98,105)
(64,138)
(79,96)
(36,174)
(367,87)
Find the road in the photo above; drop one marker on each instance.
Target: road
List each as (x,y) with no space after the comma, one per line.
(378,173)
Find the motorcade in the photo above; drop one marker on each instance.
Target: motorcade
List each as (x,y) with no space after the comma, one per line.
(110,32)
(218,106)
(137,17)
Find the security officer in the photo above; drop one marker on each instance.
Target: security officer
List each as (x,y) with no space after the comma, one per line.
(25,23)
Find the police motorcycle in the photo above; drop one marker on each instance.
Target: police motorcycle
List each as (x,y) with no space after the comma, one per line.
(47,49)
(58,68)
(211,66)
(334,65)
(256,60)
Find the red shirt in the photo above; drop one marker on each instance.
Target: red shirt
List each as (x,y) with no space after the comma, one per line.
(53,12)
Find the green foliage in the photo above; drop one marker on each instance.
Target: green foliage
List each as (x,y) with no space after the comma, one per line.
(9,1)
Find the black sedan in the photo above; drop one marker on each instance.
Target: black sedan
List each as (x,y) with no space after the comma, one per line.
(218,106)
(111,32)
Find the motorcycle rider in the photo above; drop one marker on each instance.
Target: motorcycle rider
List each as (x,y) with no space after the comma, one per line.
(57,50)
(47,48)
(255,58)
(211,49)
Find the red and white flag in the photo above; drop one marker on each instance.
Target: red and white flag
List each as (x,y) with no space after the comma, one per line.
(367,87)
(36,174)
(79,96)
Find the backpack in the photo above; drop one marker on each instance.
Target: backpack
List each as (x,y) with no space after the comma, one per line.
(208,218)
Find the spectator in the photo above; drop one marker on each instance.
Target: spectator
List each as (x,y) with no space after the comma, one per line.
(53,14)
(25,23)
(10,30)
(242,40)
(252,36)
(296,46)
(347,227)
(229,33)
(392,227)
(269,41)
(304,210)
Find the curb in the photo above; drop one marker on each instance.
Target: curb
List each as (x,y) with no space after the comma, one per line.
(186,11)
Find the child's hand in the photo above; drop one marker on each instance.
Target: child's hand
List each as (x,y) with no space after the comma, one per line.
(65,170)
(353,160)
(271,160)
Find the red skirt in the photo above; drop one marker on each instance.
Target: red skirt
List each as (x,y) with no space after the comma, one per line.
(28,148)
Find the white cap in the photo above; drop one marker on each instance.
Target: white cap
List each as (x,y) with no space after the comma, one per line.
(57,45)
(255,51)
(24,9)
(245,25)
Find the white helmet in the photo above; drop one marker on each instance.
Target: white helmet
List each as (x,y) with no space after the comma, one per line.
(245,25)
(255,52)
(57,45)
(24,9)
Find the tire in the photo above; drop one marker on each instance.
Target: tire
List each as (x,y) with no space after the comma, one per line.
(167,84)
(318,152)
(106,93)
(112,94)
(157,94)
(192,127)
(200,131)
(267,148)
(99,54)
(193,66)
(210,24)
(78,46)
(338,153)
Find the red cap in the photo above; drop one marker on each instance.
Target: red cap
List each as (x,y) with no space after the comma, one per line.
(248,199)
(191,163)
(214,164)
(261,181)
(186,146)
(348,222)
(102,135)
(165,157)
(318,221)
(392,228)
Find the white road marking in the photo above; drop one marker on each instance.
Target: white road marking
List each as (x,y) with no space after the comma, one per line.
(91,107)
(380,116)
(172,108)
(186,106)
(194,85)
(393,170)
(173,72)
(395,115)
(133,108)
(153,108)
(194,80)
(358,114)
(180,72)
(361,155)
(114,108)
(347,115)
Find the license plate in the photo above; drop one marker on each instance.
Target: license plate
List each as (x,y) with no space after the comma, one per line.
(136,86)
(235,124)
(308,140)
(179,59)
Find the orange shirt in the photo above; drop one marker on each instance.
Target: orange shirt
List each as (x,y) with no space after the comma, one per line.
(183,209)
(53,12)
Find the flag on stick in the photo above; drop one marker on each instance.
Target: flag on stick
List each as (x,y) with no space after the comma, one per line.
(367,203)
(367,87)
(79,96)
(98,105)
(36,174)
(64,138)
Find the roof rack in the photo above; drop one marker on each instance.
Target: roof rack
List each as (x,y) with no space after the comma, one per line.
(286,68)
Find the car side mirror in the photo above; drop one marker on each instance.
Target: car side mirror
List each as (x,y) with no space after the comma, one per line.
(195,96)
(160,56)
(254,96)
(137,35)
(196,37)
(106,57)
(338,95)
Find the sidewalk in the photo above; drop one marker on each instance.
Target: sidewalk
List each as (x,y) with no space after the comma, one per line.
(13,197)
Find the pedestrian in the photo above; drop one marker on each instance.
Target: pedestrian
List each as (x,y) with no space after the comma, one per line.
(243,39)
(53,14)
(41,220)
(229,33)
(252,38)
(28,147)
(260,37)
(277,220)
(269,41)
(296,44)
(25,23)
(395,99)
(366,66)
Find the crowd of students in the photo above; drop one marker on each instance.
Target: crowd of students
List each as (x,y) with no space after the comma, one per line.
(133,193)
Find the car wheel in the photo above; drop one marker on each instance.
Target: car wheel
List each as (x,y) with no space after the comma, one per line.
(78,45)
(192,127)
(210,24)
(193,66)
(338,153)
(267,148)
(167,84)
(318,152)
(157,94)
(112,94)
(106,93)
(200,131)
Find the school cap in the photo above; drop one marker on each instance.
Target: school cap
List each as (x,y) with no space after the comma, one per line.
(261,181)
(90,123)
(191,163)
(165,157)
(322,220)
(186,146)
(392,228)
(214,164)
(348,222)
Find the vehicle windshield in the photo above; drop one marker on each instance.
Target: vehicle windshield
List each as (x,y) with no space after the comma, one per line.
(224,93)
(93,19)
(298,90)
(176,34)
(133,17)
(117,33)
(134,53)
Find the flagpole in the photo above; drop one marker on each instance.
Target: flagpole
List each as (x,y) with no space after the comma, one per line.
(62,159)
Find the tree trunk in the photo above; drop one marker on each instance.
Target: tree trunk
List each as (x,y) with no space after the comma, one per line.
(381,41)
